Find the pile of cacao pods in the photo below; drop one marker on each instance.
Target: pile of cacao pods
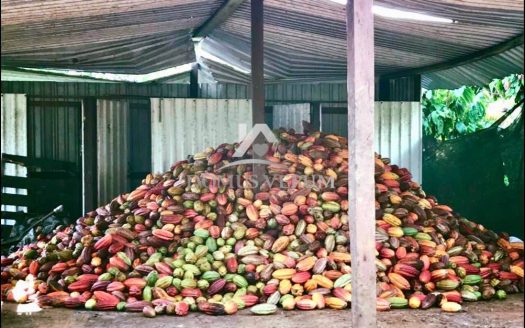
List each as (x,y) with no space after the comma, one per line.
(176,244)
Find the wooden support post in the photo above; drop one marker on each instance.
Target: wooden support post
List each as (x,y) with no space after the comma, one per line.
(194,81)
(361,193)
(89,154)
(257,61)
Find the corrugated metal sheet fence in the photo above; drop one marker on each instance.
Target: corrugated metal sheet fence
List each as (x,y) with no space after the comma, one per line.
(112,148)
(54,129)
(399,134)
(54,132)
(291,116)
(181,127)
(398,131)
(14,139)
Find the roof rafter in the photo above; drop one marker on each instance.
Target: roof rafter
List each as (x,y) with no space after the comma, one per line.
(462,60)
(225,11)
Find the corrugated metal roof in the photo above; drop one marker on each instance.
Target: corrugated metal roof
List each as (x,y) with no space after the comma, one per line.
(15,75)
(480,72)
(304,39)
(123,36)
(308,38)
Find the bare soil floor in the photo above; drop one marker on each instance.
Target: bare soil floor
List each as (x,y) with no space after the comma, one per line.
(494,314)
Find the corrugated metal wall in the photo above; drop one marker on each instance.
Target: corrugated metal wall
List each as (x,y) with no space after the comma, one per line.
(291,92)
(99,90)
(224,91)
(398,131)
(139,141)
(291,116)
(54,129)
(181,127)
(14,139)
(54,133)
(112,148)
(400,89)
(399,134)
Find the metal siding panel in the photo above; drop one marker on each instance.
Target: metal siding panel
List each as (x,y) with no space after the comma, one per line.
(188,126)
(155,151)
(291,116)
(395,124)
(399,134)
(140,138)
(112,148)
(55,125)
(378,130)
(406,115)
(417,137)
(398,131)
(94,89)
(14,139)
(384,114)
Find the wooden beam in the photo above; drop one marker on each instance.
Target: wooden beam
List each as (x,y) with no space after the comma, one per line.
(194,81)
(462,60)
(257,60)
(257,71)
(361,193)
(89,155)
(217,18)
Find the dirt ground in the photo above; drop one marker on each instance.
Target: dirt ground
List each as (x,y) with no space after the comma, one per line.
(494,314)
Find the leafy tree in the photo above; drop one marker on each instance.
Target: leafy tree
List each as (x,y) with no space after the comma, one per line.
(449,114)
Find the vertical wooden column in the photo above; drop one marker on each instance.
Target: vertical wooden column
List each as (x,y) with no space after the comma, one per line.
(257,61)
(361,193)
(89,154)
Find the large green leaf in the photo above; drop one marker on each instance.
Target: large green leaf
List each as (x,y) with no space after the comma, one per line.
(449,114)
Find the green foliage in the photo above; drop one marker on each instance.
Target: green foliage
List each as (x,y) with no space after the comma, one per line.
(449,114)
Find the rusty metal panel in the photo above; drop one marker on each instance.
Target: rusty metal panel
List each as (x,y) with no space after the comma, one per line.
(398,131)
(181,127)
(14,140)
(112,148)
(291,116)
